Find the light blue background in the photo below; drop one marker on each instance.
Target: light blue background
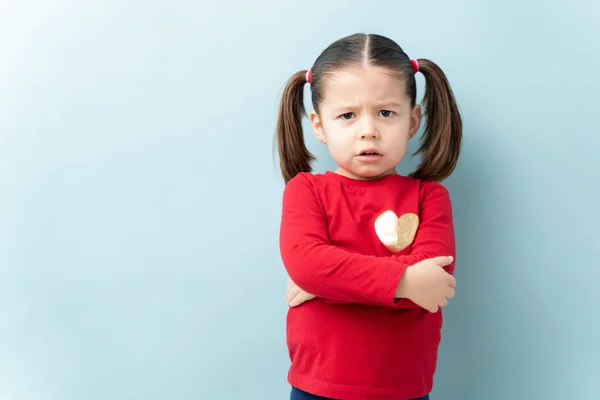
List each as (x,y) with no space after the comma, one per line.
(140,199)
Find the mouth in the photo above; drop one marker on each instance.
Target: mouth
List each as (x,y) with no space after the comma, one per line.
(369,152)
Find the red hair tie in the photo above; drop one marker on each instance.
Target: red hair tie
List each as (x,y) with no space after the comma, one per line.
(415,65)
(309,75)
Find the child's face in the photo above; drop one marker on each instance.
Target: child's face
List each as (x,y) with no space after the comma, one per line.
(366,110)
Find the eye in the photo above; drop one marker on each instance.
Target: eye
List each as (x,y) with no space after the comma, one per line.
(386,113)
(347,116)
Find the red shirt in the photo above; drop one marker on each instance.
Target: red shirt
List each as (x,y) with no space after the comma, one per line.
(355,341)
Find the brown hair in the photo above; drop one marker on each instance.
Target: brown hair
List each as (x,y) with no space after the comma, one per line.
(441,141)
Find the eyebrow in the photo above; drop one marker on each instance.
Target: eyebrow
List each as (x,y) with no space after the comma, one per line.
(380,104)
(390,103)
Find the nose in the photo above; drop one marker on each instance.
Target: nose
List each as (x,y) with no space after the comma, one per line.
(369,135)
(368,129)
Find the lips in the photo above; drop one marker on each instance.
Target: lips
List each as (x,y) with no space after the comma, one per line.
(369,152)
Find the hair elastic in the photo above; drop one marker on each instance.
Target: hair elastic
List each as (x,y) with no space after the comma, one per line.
(309,75)
(415,65)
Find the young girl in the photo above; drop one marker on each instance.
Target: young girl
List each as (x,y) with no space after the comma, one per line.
(370,253)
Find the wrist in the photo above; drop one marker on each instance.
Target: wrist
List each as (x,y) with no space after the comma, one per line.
(402,289)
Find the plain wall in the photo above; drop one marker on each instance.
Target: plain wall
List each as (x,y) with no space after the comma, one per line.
(140,198)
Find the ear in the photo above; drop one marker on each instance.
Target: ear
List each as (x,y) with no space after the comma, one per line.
(317,126)
(415,120)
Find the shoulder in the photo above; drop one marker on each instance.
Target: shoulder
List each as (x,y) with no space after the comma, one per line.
(432,187)
(308,181)
(302,181)
(433,193)
(300,187)
(301,193)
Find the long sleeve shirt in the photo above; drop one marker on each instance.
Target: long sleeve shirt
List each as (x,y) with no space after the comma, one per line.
(356,340)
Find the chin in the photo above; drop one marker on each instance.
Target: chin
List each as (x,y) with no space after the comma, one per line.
(365,171)
(372,173)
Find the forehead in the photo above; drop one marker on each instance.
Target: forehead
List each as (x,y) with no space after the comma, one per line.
(364,85)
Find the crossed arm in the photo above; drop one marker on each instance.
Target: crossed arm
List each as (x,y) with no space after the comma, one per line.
(331,273)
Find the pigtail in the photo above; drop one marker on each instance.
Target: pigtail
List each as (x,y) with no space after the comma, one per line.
(294,157)
(441,142)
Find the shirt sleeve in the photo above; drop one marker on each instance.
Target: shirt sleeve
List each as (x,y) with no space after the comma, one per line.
(435,235)
(322,269)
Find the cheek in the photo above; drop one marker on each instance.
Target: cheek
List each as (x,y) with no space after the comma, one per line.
(398,145)
(402,144)
(335,136)
(340,147)
(340,142)
(337,147)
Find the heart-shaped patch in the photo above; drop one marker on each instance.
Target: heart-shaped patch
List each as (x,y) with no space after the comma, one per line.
(396,233)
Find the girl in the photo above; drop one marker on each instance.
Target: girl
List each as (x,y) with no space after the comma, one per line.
(370,253)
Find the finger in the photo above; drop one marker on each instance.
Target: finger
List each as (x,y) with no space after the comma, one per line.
(302,297)
(451,281)
(293,302)
(288,288)
(443,261)
(450,294)
(433,310)
(297,300)
(294,292)
(291,293)
(444,302)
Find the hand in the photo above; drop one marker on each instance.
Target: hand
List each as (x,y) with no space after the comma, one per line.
(427,283)
(295,296)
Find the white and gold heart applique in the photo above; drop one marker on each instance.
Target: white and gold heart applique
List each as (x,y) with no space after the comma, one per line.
(396,233)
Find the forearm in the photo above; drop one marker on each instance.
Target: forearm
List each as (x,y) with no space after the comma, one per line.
(435,236)
(324,270)
(401,302)
(404,303)
(321,269)
(340,276)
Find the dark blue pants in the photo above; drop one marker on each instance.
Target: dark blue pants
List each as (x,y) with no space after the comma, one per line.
(298,394)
